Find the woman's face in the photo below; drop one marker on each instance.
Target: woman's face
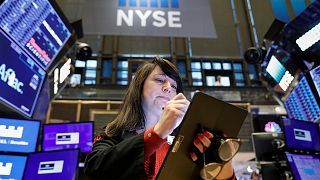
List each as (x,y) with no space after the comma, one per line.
(158,89)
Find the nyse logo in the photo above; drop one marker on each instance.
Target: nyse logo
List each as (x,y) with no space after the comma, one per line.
(50,167)
(11,131)
(127,12)
(5,170)
(67,138)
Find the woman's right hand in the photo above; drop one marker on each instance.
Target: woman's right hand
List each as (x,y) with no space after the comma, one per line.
(172,115)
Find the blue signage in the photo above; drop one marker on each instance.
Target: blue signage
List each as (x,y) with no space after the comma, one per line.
(12,167)
(18,135)
(150,3)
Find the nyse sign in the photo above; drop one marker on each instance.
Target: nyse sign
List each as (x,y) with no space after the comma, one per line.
(168,18)
(160,18)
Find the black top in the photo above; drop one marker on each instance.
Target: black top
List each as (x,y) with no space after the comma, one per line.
(116,158)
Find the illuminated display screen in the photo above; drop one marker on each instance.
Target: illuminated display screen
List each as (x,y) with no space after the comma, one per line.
(52,165)
(301,104)
(68,136)
(315,75)
(301,134)
(12,167)
(277,68)
(20,77)
(36,27)
(304,166)
(18,135)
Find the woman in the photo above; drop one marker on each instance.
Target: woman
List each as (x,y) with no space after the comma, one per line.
(135,143)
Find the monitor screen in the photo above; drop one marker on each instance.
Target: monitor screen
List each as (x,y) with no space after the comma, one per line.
(262,144)
(315,75)
(18,135)
(12,167)
(36,27)
(68,136)
(301,134)
(20,78)
(277,68)
(52,165)
(304,166)
(301,103)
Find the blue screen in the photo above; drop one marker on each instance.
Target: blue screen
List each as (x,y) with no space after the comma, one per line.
(301,104)
(20,78)
(12,167)
(304,167)
(301,134)
(36,27)
(54,165)
(18,135)
(315,75)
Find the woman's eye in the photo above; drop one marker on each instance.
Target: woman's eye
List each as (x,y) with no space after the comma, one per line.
(159,80)
(174,87)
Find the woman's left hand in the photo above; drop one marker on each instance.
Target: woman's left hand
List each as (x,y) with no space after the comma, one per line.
(201,142)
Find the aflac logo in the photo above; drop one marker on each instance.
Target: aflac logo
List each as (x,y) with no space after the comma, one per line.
(9,76)
(149,9)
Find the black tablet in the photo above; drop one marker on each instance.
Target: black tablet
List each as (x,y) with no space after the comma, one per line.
(210,113)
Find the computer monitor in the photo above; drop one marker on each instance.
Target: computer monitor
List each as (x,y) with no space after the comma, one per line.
(301,135)
(20,77)
(278,69)
(68,136)
(18,135)
(12,167)
(53,165)
(38,27)
(262,145)
(315,77)
(304,166)
(302,103)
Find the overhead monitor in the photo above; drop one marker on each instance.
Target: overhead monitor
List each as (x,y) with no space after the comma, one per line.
(20,77)
(304,166)
(277,69)
(18,135)
(12,167)
(315,76)
(301,135)
(38,27)
(57,165)
(302,103)
(68,136)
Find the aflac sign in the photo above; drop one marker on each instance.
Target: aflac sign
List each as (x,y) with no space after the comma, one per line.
(168,18)
(9,76)
(149,10)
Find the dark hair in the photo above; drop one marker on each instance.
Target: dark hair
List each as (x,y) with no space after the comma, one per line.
(131,116)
